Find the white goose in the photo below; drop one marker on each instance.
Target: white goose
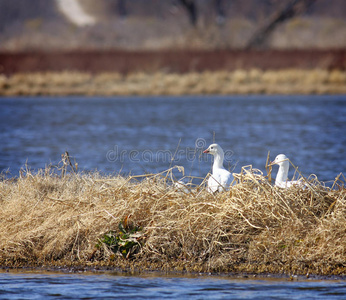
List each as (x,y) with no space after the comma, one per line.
(281,179)
(220,178)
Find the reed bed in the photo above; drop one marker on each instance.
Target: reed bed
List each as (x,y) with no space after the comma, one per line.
(52,218)
(255,81)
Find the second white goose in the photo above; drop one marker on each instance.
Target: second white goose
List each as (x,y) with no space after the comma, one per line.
(281,179)
(220,178)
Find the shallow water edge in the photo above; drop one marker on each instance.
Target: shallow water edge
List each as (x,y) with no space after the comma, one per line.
(114,271)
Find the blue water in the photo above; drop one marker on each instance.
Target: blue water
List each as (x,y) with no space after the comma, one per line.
(142,134)
(103,286)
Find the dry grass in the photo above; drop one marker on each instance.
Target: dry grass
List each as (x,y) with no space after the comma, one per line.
(56,219)
(289,81)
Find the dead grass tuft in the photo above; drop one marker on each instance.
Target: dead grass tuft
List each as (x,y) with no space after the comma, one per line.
(52,219)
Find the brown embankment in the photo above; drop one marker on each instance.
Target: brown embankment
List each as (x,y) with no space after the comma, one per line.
(173,73)
(174,61)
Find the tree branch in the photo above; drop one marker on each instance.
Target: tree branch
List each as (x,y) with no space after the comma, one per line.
(293,8)
(191,8)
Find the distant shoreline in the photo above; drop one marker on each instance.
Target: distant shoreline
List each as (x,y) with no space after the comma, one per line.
(173,72)
(237,82)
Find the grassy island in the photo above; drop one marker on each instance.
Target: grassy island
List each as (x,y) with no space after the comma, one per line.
(148,223)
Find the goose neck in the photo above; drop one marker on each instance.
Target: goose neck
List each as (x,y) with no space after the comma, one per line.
(218,161)
(282,174)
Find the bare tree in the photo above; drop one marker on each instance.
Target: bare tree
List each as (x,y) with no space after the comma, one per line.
(293,8)
(220,11)
(121,8)
(191,8)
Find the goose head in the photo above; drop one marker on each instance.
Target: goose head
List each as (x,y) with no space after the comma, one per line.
(217,152)
(214,149)
(280,160)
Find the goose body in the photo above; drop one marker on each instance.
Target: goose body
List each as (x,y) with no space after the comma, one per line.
(182,186)
(220,178)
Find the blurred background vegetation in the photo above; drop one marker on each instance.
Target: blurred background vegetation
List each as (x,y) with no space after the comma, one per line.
(141,47)
(171,24)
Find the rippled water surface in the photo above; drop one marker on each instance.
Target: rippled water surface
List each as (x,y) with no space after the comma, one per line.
(75,286)
(138,135)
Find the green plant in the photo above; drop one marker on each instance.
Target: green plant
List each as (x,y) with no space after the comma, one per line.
(127,240)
